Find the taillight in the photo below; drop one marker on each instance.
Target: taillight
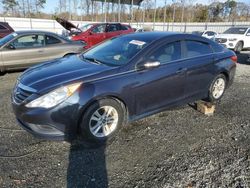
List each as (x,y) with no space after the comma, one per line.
(234,58)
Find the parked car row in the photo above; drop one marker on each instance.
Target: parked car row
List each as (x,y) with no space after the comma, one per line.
(95,33)
(234,38)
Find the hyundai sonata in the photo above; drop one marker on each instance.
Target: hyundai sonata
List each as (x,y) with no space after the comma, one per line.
(121,80)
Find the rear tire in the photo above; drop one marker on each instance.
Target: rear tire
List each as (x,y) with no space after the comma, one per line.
(217,88)
(101,120)
(238,47)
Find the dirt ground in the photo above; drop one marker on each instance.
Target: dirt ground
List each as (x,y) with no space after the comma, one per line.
(176,148)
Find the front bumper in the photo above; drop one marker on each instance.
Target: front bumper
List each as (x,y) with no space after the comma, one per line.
(229,44)
(58,123)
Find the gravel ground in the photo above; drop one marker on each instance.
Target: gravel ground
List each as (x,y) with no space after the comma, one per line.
(176,148)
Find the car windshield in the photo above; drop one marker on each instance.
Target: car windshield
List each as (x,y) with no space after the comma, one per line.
(236,30)
(86,27)
(117,51)
(7,38)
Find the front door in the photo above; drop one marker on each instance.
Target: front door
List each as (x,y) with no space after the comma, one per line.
(97,35)
(23,51)
(163,85)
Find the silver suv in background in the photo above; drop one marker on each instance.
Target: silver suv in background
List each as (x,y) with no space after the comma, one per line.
(23,49)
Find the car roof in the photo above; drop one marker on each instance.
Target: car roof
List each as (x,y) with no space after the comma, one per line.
(153,34)
(21,32)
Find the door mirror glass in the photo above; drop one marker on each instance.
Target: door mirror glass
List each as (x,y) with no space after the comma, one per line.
(148,65)
(10,47)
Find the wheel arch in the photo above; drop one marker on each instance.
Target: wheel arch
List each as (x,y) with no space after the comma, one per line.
(94,100)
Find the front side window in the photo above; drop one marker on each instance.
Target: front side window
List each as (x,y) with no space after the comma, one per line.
(196,48)
(28,41)
(86,27)
(2,27)
(49,40)
(99,29)
(167,53)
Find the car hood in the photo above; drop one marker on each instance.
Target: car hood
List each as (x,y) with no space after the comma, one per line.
(66,24)
(53,74)
(229,36)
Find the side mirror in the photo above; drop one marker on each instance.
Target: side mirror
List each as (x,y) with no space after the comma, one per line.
(148,65)
(90,33)
(10,47)
(248,34)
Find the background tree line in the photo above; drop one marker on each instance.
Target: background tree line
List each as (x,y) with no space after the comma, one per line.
(177,10)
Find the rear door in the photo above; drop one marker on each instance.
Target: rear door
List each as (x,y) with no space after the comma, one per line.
(23,51)
(200,67)
(54,48)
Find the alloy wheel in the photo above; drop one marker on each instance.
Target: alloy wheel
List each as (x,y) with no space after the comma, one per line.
(103,121)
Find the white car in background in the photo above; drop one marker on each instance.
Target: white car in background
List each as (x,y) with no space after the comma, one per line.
(235,38)
(207,34)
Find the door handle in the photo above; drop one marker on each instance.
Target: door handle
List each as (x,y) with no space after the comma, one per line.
(40,51)
(181,70)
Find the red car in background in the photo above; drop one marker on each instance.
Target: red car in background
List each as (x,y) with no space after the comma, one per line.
(95,33)
(5,29)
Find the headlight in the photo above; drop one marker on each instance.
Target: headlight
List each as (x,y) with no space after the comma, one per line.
(54,97)
(233,39)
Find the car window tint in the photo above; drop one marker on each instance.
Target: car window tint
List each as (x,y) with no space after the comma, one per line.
(113,28)
(167,53)
(195,48)
(2,27)
(210,33)
(51,40)
(99,29)
(29,41)
(124,27)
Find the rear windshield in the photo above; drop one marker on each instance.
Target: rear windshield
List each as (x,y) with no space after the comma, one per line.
(236,30)
(7,38)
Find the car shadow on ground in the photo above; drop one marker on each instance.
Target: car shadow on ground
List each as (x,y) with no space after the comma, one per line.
(87,165)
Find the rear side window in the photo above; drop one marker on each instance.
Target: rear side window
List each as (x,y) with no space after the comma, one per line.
(51,40)
(196,48)
(2,27)
(125,27)
(113,28)
(167,53)
(210,33)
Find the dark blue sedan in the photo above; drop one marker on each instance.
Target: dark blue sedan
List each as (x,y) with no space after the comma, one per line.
(119,81)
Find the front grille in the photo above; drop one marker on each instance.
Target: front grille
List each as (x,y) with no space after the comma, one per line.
(21,94)
(221,40)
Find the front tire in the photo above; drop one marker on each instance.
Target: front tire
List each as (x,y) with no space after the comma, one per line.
(102,119)
(217,88)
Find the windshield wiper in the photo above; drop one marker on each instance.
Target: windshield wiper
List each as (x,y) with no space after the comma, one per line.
(92,60)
